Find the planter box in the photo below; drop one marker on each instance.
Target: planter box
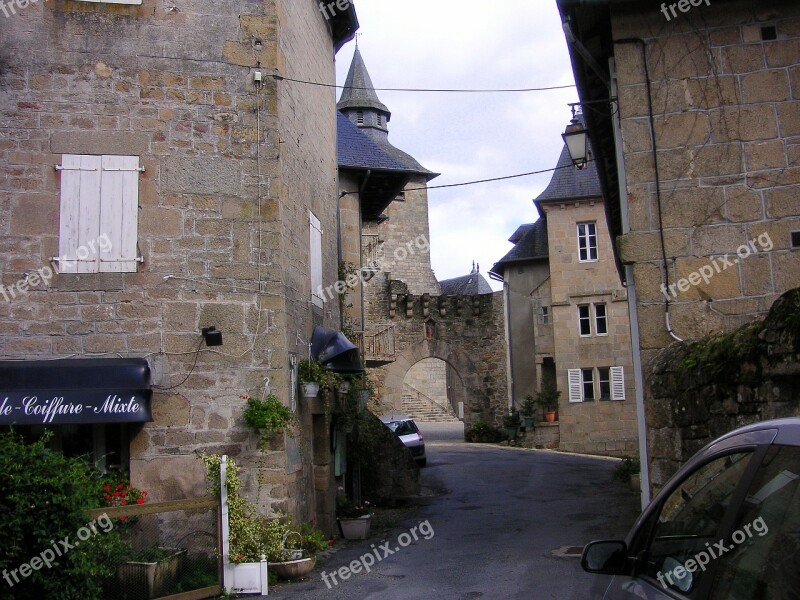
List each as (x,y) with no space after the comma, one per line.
(355,529)
(144,580)
(293,569)
(310,389)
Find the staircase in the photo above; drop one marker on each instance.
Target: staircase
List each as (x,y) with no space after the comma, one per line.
(423,409)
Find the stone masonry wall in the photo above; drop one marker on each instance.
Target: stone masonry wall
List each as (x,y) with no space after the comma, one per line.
(429,377)
(231,173)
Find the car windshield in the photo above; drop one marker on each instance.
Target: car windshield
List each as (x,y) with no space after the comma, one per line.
(402,427)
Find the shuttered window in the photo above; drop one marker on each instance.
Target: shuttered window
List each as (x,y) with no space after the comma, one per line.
(617,383)
(315,259)
(98,214)
(588,384)
(575,389)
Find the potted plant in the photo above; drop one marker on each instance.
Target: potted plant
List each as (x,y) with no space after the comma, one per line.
(548,397)
(363,390)
(311,375)
(151,573)
(511,422)
(268,416)
(354,519)
(529,411)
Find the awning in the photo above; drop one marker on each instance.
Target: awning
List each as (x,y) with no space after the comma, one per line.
(55,392)
(333,349)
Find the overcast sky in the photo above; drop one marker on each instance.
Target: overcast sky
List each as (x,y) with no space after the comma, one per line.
(471,44)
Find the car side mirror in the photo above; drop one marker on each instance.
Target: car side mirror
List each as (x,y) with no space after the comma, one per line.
(605,558)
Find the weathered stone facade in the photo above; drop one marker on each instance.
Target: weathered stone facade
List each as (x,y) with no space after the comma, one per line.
(231,173)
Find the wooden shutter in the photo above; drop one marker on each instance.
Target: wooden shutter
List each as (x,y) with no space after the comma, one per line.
(80,212)
(575,387)
(119,207)
(315,259)
(617,383)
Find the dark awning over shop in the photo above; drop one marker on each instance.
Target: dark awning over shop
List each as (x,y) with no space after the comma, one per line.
(333,349)
(55,392)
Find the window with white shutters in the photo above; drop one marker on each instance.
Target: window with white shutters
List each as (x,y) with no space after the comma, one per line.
(315,260)
(99,212)
(617,383)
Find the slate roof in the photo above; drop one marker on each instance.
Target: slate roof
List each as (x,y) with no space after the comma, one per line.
(358,89)
(530,243)
(473,284)
(357,150)
(569,183)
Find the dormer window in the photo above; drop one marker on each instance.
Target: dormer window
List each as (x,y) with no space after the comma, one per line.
(360,117)
(380,120)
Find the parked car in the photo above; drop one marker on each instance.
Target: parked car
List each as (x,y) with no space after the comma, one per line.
(725,527)
(410,435)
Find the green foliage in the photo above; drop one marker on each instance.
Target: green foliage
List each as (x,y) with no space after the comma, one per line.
(719,357)
(44,498)
(511,420)
(629,466)
(269,415)
(548,396)
(482,432)
(529,406)
(200,572)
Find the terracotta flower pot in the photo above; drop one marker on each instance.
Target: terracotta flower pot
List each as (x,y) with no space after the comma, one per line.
(550,416)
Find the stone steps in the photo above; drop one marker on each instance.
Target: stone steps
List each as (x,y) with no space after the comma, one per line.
(426,412)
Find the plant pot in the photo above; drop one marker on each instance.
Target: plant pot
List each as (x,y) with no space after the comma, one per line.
(293,569)
(363,399)
(356,528)
(343,388)
(529,422)
(310,389)
(146,580)
(511,432)
(550,416)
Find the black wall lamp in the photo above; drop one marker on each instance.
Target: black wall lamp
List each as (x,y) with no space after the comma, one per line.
(576,136)
(212,336)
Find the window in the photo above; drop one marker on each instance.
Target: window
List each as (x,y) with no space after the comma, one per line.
(584,320)
(360,117)
(690,521)
(601,324)
(604,383)
(587,384)
(380,120)
(99,213)
(767,526)
(545,315)
(587,242)
(795,239)
(315,260)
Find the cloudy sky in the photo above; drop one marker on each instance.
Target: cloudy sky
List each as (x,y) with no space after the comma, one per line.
(465,137)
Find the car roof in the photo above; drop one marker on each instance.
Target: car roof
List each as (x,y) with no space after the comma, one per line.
(393,418)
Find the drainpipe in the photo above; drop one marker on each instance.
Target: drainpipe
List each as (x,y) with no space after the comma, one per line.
(633,310)
(509,362)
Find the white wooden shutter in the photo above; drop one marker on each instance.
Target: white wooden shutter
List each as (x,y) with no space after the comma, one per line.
(315,259)
(575,387)
(80,211)
(119,208)
(617,383)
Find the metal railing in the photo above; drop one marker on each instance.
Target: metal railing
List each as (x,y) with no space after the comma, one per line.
(371,251)
(379,345)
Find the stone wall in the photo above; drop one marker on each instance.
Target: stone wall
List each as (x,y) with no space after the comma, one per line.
(429,377)
(699,391)
(231,172)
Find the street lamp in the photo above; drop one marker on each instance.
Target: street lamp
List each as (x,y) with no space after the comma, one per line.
(576,137)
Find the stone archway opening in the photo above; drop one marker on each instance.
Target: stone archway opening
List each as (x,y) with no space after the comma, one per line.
(430,388)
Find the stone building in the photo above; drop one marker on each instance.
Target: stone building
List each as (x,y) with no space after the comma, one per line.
(400,311)
(568,316)
(159,176)
(694,119)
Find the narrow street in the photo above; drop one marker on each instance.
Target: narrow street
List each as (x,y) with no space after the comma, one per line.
(494,530)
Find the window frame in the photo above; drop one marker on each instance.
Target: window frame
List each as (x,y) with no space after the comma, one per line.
(601,382)
(589,383)
(585,239)
(576,379)
(545,315)
(585,320)
(598,319)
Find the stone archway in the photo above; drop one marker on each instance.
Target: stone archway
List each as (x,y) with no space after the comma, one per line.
(476,403)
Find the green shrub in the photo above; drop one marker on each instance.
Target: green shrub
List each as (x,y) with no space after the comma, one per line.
(44,499)
(629,466)
(482,432)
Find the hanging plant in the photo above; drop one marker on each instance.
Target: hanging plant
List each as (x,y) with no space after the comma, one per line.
(269,415)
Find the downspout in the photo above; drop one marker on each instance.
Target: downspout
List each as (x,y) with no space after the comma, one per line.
(633,309)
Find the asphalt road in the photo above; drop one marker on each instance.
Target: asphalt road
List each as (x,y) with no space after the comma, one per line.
(497,526)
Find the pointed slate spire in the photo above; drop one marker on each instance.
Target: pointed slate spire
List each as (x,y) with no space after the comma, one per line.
(359,92)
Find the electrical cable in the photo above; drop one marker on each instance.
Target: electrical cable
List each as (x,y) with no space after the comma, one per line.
(430,90)
(189,374)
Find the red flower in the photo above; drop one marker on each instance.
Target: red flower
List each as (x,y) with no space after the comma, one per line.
(144,494)
(108,496)
(123,518)
(116,494)
(140,501)
(120,486)
(123,502)
(124,493)
(106,488)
